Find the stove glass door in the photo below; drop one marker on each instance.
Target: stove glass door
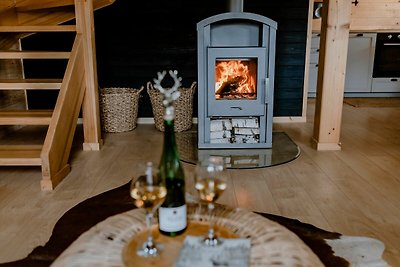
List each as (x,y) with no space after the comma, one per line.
(237,81)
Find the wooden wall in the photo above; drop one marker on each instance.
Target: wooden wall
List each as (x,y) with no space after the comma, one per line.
(371,16)
(136,39)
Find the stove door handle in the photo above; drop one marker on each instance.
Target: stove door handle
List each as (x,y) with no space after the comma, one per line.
(239,108)
(267,90)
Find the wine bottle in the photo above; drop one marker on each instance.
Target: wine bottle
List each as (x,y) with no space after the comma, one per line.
(172,214)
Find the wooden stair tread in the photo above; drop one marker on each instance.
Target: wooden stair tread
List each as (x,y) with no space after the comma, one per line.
(34,84)
(34,54)
(39,28)
(20,155)
(25,117)
(29,5)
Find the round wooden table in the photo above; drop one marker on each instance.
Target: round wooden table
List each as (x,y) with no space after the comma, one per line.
(113,241)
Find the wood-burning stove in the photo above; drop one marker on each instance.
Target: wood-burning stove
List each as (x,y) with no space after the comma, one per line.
(236,63)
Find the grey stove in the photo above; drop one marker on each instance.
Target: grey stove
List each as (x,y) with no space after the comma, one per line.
(236,65)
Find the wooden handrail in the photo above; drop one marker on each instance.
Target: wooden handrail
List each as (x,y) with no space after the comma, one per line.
(58,142)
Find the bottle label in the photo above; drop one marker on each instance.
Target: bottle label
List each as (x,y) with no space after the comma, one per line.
(172,219)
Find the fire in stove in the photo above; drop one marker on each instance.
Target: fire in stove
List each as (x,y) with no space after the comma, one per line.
(236,79)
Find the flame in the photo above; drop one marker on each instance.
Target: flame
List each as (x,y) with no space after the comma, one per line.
(235,76)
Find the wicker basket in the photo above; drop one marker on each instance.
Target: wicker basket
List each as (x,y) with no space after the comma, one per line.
(183,108)
(119,108)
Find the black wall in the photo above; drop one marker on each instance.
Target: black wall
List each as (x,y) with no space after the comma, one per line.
(136,39)
(291,16)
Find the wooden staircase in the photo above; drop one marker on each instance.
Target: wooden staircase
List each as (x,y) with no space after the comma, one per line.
(76,90)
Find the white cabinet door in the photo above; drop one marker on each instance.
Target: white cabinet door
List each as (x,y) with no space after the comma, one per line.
(360,59)
(386,85)
(313,67)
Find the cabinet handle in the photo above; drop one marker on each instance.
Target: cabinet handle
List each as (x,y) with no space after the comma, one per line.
(360,35)
(393,80)
(317,50)
(316,65)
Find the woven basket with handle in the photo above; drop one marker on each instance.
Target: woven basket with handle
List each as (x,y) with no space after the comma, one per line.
(119,108)
(183,107)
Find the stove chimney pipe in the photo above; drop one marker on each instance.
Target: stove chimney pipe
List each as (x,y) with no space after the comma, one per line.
(235,5)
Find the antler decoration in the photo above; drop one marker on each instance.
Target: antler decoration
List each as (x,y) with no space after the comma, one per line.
(169,94)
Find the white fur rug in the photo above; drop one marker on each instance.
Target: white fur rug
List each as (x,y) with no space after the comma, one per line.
(359,251)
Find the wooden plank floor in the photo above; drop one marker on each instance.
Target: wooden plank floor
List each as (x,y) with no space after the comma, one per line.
(355,191)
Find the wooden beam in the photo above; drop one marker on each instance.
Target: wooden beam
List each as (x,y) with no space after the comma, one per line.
(371,16)
(331,74)
(90,108)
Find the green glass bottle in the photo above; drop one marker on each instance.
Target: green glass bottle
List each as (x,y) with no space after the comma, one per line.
(172,214)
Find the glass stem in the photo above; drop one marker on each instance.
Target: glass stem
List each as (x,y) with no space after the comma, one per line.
(211,232)
(149,223)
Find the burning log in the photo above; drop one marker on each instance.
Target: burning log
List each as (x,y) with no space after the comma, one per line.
(230,86)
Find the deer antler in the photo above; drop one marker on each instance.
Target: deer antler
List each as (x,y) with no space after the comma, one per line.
(169,94)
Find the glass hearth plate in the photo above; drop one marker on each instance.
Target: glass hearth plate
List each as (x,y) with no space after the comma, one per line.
(283,150)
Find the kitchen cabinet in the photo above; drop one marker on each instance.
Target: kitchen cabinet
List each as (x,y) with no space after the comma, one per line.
(360,59)
(385,85)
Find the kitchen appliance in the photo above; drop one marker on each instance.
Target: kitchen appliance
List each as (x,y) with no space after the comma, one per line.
(386,71)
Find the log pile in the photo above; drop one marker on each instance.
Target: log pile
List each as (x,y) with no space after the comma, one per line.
(235,130)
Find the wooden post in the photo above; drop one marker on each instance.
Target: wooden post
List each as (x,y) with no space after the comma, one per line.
(90,108)
(331,74)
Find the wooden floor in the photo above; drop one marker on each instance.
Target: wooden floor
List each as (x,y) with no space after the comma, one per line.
(355,191)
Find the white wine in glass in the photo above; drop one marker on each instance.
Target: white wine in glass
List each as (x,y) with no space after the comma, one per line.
(210,182)
(148,192)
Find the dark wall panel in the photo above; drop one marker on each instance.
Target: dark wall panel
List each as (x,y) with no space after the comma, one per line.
(291,16)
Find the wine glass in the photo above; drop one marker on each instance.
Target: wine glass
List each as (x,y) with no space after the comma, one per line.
(148,192)
(210,182)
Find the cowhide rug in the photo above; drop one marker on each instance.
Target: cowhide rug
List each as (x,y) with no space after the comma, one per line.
(333,249)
